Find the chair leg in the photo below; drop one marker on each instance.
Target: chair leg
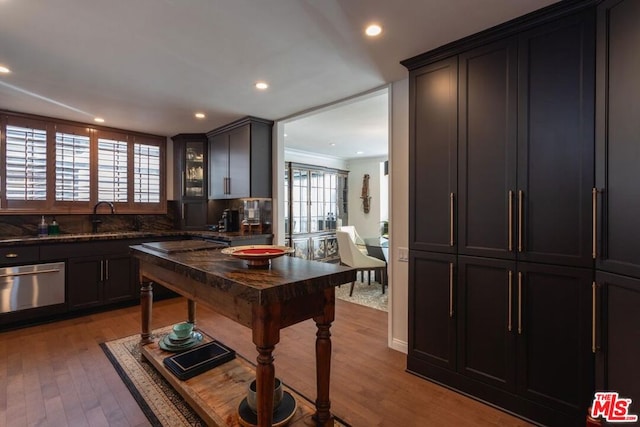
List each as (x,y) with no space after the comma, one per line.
(369,276)
(383,278)
(351,290)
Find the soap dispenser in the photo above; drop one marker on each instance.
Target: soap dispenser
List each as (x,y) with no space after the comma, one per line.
(43,228)
(54,228)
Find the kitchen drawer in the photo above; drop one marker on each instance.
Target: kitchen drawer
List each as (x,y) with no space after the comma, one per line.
(14,255)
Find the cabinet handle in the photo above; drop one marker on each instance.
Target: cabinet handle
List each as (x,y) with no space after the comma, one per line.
(229,185)
(594,291)
(102,271)
(183,189)
(519,303)
(451,225)
(183,211)
(11,255)
(450,289)
(510,297)
(106,270)
(510,220)
(594,231)
(520,203)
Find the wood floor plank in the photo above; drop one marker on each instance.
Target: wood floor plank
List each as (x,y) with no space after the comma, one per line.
(369,383)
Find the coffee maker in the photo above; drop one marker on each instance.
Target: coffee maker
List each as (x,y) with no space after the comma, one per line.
(230,220)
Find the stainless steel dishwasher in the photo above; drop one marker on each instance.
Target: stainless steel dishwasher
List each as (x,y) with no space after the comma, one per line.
(30,286)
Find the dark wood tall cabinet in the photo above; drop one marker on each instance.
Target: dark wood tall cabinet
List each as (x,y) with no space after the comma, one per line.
(501,178)
(190,159)
(617,200)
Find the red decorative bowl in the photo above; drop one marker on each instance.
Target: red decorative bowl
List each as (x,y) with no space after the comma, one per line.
(257,256)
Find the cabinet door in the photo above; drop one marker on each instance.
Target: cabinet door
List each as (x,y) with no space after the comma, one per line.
(239,163)
(487,150)
(433,156)
(193,214)
(84,282)
(554,321)
(218,165)
(486,328)
(617,130)
(555,141)
(620,341)
(432,311)
(118,280)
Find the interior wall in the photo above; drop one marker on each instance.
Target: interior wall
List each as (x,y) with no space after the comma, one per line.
(313,159)
(367,224)
(399,215)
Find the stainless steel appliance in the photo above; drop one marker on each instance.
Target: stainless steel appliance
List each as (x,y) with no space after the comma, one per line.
(30,286)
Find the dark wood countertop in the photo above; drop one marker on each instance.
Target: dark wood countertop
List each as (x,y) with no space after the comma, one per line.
(119,235)
(287,278)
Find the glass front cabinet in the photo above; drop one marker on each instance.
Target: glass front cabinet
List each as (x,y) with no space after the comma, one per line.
(315,205)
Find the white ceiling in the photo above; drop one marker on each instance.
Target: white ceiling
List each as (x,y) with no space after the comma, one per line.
(149,65)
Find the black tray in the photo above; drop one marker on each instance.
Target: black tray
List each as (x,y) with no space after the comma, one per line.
(193,362)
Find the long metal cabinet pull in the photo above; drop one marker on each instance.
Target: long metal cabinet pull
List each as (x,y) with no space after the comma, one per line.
(450,289)
(102,270)
(594,290)
(106,269)
(594,213)
(519,303)
(510,216)
(520,203)
(29,273)
(510,296)
(451,219)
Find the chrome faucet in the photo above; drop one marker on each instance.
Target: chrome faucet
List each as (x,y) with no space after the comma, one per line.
(94,220)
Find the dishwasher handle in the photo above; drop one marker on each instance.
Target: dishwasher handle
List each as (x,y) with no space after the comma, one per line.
(30,273)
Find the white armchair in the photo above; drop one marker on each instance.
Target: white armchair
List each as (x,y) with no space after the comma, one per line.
(351,256)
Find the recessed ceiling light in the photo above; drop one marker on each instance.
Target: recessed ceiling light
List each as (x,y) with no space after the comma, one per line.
(261,85)
(333,144)
(4,69)
(98,120)
(285,135)
(373,30)
(200,116)
(359,152)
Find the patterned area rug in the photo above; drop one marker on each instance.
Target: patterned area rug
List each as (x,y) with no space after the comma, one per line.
(162,405)
(364,294)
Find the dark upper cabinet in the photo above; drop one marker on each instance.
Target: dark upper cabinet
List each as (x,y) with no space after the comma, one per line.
(527,195)
(240,159)
(618,336)
(617,131)
(556,65)
(433,156)
(190,178)
(487,150)
(432,332)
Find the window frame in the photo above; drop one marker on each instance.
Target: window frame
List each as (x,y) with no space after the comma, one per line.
(53,206)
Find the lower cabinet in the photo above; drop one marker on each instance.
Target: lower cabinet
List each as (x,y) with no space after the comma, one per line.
(618,340)
(98,280)
(517,335)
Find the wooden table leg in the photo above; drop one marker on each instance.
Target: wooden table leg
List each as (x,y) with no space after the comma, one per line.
(266,334)
(323,360)
(191,309)
(146,305)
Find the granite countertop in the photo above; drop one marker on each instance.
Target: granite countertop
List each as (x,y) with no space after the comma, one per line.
(285,279)
(87,237)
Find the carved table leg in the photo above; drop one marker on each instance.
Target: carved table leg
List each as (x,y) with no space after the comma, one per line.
(191,308)
(266,334)
(146,304)
(323,360)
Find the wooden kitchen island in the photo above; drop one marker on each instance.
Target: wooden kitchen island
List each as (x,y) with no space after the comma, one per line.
(265,300)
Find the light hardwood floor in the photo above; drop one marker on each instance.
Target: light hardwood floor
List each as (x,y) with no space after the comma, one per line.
(57,375)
